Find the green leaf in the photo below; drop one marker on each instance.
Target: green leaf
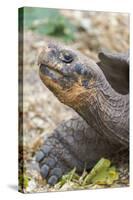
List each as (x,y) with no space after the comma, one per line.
(68,178)
(102,164)
(102,173)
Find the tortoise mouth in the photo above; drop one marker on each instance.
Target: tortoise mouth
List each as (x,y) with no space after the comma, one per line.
(50,72)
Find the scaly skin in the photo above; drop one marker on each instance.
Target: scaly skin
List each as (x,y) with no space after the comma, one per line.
(78,82)
(72,144)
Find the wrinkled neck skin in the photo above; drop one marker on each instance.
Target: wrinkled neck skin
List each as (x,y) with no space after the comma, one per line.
(107,112)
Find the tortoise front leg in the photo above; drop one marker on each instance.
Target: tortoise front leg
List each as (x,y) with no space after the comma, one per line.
(72,144)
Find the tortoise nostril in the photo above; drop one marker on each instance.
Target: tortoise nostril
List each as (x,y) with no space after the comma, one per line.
(53,51)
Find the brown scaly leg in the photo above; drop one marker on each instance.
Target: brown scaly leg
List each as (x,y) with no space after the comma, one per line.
(72,144)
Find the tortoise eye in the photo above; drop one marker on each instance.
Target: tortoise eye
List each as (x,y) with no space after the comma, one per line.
(66,56)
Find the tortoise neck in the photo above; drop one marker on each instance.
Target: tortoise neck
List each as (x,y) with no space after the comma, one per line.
(107,112)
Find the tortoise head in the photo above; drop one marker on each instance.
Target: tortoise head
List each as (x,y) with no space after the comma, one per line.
(67,73)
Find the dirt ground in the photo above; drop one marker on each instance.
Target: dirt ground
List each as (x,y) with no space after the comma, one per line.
(42,111)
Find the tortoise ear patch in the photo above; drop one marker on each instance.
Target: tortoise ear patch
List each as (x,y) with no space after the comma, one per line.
(85,83)
(78,68)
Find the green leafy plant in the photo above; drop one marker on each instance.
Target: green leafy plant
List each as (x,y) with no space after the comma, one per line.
(101,174)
